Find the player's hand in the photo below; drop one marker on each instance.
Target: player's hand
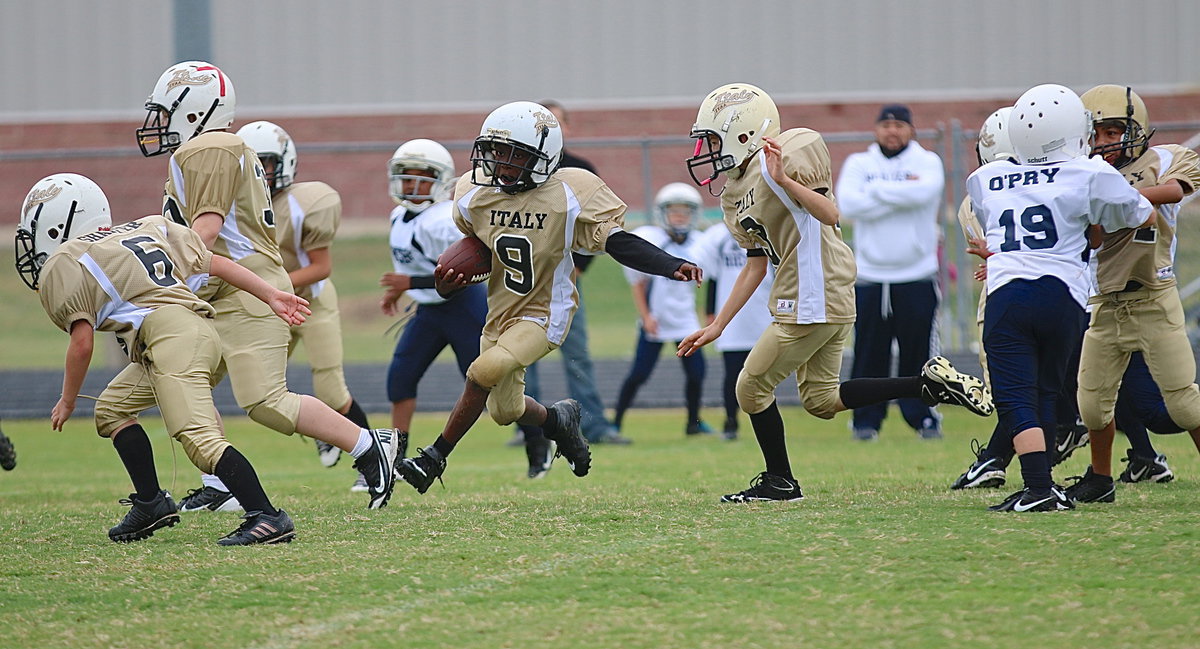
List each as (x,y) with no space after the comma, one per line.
(774,156)
(448,281)
(61,413)
(387,303)
(978,247)
(396,281)
(290,308)
(650,325)
(688,271)
(981,273)
(696,340)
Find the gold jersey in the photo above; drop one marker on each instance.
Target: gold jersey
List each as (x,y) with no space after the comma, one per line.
(1147,255)
(217,172)
(114,279)
(814,268)
(307,216)
(532,234)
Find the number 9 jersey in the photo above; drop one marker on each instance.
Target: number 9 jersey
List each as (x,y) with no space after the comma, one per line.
(1036,217)
(532,234)
(114,279)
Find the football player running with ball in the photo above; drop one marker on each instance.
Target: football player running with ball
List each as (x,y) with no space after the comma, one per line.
(136,280)
(217,186)
(532,215)
(1036,213)
(778,204)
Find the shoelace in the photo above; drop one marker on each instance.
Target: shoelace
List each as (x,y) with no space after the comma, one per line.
(977,449)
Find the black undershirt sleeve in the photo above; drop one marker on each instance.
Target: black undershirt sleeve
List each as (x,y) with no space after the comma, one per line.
(635,252)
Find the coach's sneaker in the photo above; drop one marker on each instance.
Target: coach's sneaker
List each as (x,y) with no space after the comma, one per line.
(541,456)
(328,453)
(211,499)
(1028,500)
(941,383)
(259,527)
(730,432)
(1092,488)
(8,454)
(984,473)
(378,466)
(144,518)
(571,443)
(698,427)
(1143,469)
(767,487)
(865,434)
(1067,439)
(360,484)
(420,471)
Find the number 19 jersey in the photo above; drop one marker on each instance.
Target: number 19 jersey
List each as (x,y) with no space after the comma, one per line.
(1036,217)
(532,234)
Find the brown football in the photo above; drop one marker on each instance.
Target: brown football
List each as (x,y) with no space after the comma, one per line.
(468,256)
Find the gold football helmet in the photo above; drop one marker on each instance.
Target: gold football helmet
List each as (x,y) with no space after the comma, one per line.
(731,124)
(1110,102)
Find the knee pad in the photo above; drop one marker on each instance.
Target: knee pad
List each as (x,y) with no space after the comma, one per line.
(506,412)
(280,414)
(822,405)
(753,394)
(111,416)
(329,385)
(492,366)
(1094,412)
(1184,406)
(203,450)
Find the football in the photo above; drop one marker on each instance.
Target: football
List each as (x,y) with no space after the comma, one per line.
(469,256)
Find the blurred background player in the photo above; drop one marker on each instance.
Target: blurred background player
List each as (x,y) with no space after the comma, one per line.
(1036,213)
(217,186)
(515,200)
(136,280)
(420,177)
(723,258)
(666,308)
(1137,306)
(892,193)
(778,206)
(577,360)
(307,216)
(8,453)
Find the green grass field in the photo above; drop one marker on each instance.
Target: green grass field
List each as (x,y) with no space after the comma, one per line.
(638,554)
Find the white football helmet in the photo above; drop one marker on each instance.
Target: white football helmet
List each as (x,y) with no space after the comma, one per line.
(513,131)
(58,208)
(1049,124)
(1111,102)
(190,98)
(729,128)
(425,155)
(272,143)
(994,143)
(677,194)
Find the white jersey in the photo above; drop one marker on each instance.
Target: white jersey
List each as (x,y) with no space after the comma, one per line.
(1036,217)
(722,259)
(672,303)
(418,241)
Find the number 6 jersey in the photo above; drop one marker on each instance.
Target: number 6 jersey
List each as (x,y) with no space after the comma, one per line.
(114,279)
(1036,217)
(532,234)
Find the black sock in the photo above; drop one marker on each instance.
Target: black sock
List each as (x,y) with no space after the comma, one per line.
(1035,470)
(443,446)
(551,423)
(133,447)
(857,393)
(533,434)
(236,472)
(356,415)
(768,428)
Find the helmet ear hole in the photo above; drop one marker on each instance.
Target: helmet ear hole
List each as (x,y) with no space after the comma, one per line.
(744,138)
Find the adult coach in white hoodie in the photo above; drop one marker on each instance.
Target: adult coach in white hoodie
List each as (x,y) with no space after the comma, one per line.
(892,193)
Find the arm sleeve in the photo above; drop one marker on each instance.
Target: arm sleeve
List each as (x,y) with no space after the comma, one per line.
(971,227)
(710,297)
(1184,167)
(639,254)
(601,214)
(63,293)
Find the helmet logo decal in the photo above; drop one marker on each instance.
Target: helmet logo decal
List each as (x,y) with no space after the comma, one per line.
(499,132)
(39,196)
(184,78)
(987,140)
(220,77)
(730,98)
(544,122)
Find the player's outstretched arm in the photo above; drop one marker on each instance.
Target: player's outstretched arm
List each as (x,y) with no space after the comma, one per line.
(744,286)
(820,207)
(290,308)
(635,252)
(79,358)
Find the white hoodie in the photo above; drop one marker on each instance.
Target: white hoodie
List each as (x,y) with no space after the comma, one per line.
(894,204)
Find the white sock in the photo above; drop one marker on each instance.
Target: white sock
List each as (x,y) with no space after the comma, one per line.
(365,441)
(213,481)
